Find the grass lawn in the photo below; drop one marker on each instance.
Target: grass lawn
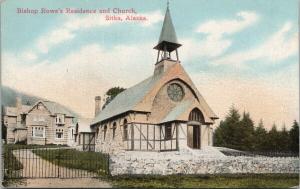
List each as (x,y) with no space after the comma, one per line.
(90,161)
(207,181)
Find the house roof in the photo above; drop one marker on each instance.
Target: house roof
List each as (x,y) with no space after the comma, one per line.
(55,108)
(12,111)
(126,100)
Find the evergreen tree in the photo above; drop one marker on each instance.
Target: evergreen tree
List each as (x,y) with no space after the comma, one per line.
(284,140)
(227,133)
(260,134)
(294,137)
(246,133)
(273,139)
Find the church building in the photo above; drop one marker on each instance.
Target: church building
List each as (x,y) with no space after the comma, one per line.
(164,112)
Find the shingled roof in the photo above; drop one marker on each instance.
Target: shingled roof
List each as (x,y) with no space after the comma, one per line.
(55,108)
(126,100)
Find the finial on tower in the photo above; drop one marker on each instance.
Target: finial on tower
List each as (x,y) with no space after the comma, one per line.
(168,39)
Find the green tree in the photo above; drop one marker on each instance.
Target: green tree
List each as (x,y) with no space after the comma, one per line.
(260,134)
(284,139)
(294,137)
(111,94)
(246,133)
(228,131)
(273,139)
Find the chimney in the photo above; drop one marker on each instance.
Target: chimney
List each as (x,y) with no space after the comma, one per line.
(19,110)
(97,104)
(19,103)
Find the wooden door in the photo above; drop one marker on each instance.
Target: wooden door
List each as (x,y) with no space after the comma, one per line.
(196,136)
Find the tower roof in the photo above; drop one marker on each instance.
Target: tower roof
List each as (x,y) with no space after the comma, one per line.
(168,36)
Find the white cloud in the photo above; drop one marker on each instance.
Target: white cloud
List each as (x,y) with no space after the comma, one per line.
(53,38)
(229,26)
(215,43)
(29,56)
(152,18)
(68,29)
(77,78)
(277,47)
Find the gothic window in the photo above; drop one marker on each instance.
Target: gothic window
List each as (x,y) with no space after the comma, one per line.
(125,129)
(114,129)
(168,131)
(97,131)
(196,115)
(104,131)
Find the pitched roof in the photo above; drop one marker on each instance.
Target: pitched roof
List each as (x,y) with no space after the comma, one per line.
(168,33)
(12,111)
(126,100)
(55,108)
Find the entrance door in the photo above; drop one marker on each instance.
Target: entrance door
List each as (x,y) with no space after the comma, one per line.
(193,136)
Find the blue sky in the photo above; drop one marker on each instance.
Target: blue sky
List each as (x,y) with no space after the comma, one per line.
(248,44)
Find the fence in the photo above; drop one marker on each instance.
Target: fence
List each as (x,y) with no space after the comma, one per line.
(53,162)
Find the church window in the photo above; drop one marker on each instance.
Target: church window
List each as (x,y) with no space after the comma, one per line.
(114,129)
(196,115)
(97,131)
(175,92)
(125,130)
(168,131)
(104,131)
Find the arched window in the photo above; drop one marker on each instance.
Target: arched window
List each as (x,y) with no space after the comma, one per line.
(114,129)
(104,131)
(125,130)
(97,132)
(196,115)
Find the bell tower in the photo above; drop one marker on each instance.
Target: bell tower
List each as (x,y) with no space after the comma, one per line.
(167,42)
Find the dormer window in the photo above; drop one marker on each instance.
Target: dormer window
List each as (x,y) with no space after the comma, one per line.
(60,119)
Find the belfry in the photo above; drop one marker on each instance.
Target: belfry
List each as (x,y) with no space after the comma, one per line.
(167,42)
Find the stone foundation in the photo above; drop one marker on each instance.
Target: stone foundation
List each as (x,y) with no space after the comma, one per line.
(166,163)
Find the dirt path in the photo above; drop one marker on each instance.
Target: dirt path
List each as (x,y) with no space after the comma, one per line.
(36,167)
(59,183)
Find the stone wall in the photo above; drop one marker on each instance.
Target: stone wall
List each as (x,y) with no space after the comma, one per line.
(177,163)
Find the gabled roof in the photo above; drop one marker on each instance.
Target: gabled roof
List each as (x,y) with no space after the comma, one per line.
(126,100)
(55,108)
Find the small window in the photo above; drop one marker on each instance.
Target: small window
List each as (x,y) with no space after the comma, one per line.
(59,133)
(168,131)
(23,118)
(114,129)
(125,130)
(104,131)
(38,132)
(60,119)
(97,131)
